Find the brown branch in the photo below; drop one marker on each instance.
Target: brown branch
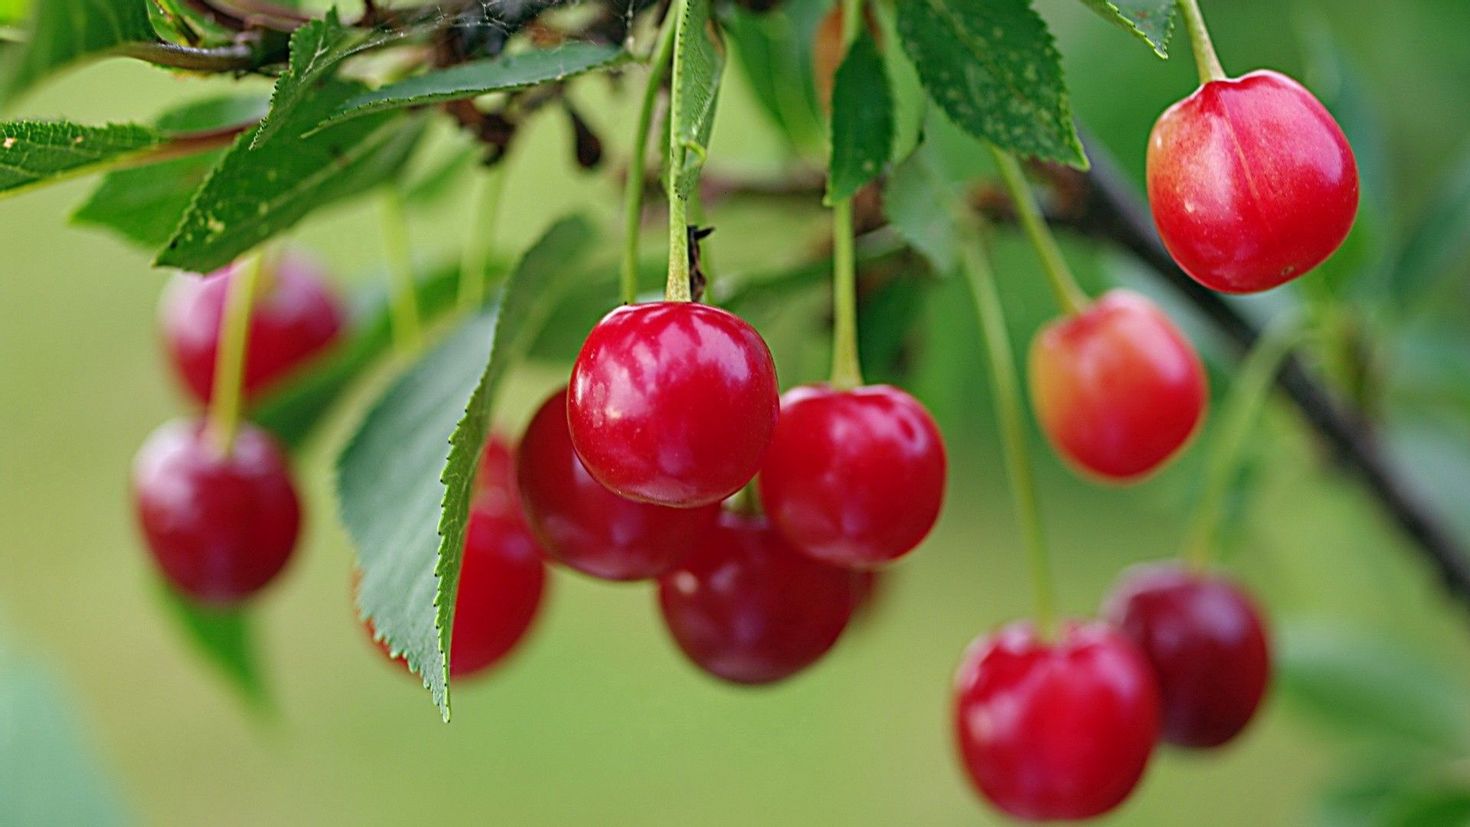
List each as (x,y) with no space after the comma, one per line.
(237,57)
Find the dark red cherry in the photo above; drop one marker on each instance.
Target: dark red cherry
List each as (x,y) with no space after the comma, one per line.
(1055,730)
(588,527)
(1207,643)
(853,478)
(296,316)
(1251,181)
(748,608)
(220,527)
(673,403)
(1117,387)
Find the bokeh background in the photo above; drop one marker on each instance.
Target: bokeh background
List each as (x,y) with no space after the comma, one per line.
(107,714)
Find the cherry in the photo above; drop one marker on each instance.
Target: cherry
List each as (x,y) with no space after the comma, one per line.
(584,525)
(1207,643)
(220,527)
(1117,387)
(1055,730)
(1251,181)
(295,316)
(748,608)
(673,403)
(853,478)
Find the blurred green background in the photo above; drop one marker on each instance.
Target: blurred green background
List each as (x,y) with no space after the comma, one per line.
(598,720)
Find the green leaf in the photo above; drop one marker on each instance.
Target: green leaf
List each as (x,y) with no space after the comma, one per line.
(995,71)
(918,200)
(1151,20)
(775,55)
(862,119)
(1371,687)
(403,480)
(317,48)
(253,194)
(145,204)
(698,63)
(1436,252)
(12,11)
(471,80)
(910,103)
(34,153)
(65,31)
(224,637)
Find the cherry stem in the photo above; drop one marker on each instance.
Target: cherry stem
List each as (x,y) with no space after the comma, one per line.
(678,288)
(1252,387)
(1063,284)
(481,238)
(658,69)
(847,367)
(229,358)
(1205,58)
(404,303)
(1009,415)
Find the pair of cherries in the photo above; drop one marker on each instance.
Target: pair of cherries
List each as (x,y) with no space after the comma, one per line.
(1064,728)
(222,525)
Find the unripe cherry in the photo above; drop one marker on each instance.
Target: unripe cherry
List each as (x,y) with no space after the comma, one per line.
(221,527)
(1251,182)
(1207,643)
(295,317)
(584,525)
(853,478)
(1117,387)
(673,403)
(1052,730)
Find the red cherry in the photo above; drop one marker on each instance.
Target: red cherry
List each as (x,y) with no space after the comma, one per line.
(673,403)
(1207,643)
(588,527)
(748,608)
(1055,730)
(220,527)
(1251,181)
(853,478)
(1117,387)
(296,316)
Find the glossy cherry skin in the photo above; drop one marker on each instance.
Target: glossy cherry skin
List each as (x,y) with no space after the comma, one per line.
(1117,387)
(853,478)
(673,403)
(296,317)
(587,527)
(220,528)
(1055,730)
(1251,181)
(749,609)
(1208,646)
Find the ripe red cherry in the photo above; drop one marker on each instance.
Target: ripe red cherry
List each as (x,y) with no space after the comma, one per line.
(220,527)
(1251,181)
(295,316)
(1207,644)
(588,527)
(853,478)
(1055,730)
(1117,387)
(673,403)
(748,608)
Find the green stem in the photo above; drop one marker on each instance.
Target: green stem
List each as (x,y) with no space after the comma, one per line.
(658,69)
(847,370)
(852,17)
(480,239)
(1063,284)
(1205,58)
(229,359)
(1252,387)
(677,288)
(404,304)
(1010,416)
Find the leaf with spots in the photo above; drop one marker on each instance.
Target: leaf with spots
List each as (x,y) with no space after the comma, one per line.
(403,480)
(317,49)
(994,69)
(483,77)
(34,153)
(253,194)
(1152,21)
(862,119)
(63,32)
